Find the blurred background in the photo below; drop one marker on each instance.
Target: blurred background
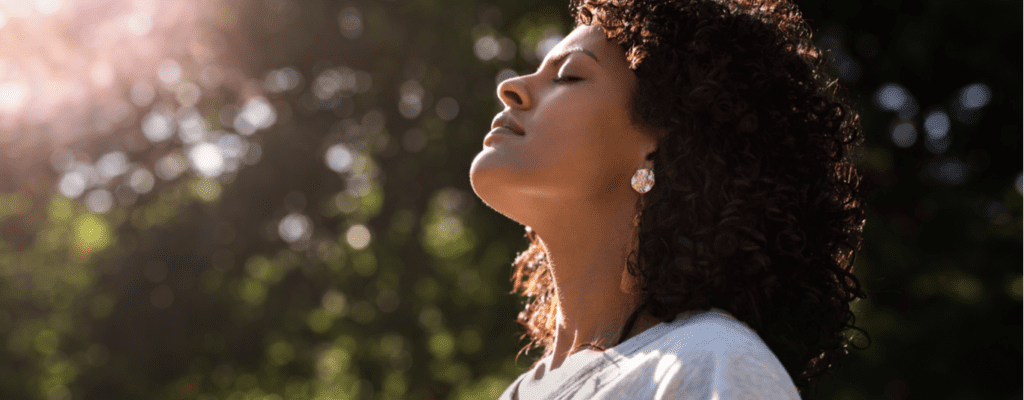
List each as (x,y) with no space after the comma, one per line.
(269,199)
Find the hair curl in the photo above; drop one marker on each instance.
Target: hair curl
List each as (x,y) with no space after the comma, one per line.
(756,209)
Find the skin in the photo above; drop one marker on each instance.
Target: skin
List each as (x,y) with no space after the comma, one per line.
(569,177)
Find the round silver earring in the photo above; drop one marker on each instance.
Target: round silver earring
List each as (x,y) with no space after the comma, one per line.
(643,180)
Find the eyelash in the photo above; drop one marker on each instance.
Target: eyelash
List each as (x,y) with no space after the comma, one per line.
(565,78)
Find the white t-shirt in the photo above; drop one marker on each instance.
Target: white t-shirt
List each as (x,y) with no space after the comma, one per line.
(706,355)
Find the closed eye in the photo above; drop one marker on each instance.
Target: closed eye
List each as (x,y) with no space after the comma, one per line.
(565,79)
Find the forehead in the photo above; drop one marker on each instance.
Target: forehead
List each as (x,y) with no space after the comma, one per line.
(590,37)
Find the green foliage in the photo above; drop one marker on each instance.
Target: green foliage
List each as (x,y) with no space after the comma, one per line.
(382,276)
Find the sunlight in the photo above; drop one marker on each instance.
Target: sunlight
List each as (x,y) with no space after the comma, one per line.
(71,71)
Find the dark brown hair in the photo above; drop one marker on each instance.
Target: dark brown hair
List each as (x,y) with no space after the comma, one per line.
(756,209)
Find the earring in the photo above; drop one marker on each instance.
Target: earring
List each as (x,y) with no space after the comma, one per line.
(643,180)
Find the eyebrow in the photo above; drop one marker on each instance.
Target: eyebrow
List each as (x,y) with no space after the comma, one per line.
(558,58)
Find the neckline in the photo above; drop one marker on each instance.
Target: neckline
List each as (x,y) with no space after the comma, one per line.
(613,352)
(685,315)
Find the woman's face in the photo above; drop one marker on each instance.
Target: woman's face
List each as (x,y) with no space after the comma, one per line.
(578,144)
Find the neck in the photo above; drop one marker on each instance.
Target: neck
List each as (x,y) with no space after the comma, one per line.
(587,248)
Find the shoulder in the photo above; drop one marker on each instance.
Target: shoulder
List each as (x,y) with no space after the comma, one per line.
(710,331)
(707,353)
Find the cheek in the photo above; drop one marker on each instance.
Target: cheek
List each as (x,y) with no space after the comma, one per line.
(584,163)
(579,150)
(586,149)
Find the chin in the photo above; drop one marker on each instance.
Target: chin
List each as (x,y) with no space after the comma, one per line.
(497,187)
(490,185)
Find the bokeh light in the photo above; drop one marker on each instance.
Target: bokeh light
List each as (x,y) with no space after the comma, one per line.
(72,184)
(231,146)
(970,100)
(350,20)
(112,164)
(295,227)
(548,43)
(142,93)
(141,181)
(12,97)
(903,134)
(333,81)
(339,158)
(99,201)
(358,236)
(48,6)
(169,71)
(295,172)
(170,166)
(157,126)
(895,97)
(357,185)
(207,190)
(256,114)
(974,96)
(503,75)
(936,128)
(410,102)
(192,126)
(206,159)
(334,302)
(281,80)
(486,48)
(447,108)
(373,121)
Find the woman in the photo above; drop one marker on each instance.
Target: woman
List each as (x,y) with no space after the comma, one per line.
(682,169)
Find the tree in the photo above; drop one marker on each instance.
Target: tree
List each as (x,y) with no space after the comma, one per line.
(272,200)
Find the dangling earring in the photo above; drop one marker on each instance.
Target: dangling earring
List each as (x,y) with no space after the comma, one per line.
(642,182)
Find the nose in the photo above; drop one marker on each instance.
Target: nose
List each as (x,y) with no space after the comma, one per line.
(512,92)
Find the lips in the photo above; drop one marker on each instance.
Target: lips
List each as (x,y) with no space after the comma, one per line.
(498,134)
(505,120)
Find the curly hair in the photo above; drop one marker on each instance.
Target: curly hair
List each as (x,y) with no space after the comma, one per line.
(756,209)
